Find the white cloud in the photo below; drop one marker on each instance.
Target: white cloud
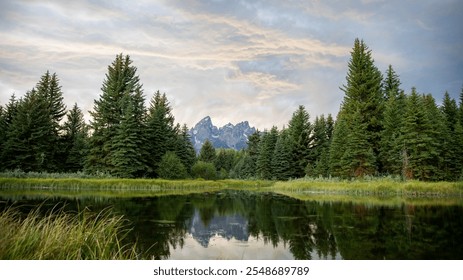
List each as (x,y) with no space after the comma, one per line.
(233,60)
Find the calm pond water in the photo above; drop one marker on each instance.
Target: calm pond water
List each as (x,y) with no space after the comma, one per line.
(251,225)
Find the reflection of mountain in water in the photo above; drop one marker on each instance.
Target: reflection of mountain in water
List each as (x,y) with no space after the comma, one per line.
(225,226)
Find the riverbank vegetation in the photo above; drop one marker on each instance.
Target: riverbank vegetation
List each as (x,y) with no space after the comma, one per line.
(379,131)
(58,235)
(147,187)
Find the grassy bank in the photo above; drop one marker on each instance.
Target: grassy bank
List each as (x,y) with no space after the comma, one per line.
(125,184)
(383,187)
(376,187)
(63,236)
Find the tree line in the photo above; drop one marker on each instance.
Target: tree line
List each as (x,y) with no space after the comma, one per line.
(379,130)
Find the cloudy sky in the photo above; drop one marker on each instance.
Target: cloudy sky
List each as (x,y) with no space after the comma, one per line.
(231,60)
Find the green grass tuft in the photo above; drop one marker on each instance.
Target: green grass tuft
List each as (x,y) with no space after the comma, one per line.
(58,235)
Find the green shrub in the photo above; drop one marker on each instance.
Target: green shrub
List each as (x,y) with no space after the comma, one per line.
(205,170)
(171,167)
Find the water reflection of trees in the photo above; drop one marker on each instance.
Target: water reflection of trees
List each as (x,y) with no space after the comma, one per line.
(309,229)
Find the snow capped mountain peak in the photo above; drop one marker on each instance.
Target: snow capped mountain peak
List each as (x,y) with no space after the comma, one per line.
(229,136)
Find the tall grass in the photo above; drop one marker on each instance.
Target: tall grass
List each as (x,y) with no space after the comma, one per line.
(374,186)
(59,235)
(17,173)
(118,184)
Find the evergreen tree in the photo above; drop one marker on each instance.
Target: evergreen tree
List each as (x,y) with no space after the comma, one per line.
(460,107)
(125,154)
(437,136)
(357,161)
(300,129)
(121,82)
(282,164)
(3,129)
(264,163)
(394,110)
(419,153)
(185,150)
(459,136)
(338,144)
(450,146)
(207,152)
(391,151)
(364,100)
(49,88)
(319,152)
(249,161)
(29,144)
(225,161)
(162,132)
(391,84)
(6,119)
(75,140)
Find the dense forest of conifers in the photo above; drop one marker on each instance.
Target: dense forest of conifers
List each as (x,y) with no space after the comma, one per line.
(379,130)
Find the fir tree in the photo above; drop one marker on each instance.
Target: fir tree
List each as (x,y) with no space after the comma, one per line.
(364,100)
(319,152)
(337,147)
(264,163)
(252,153)
(417,140)
(8,113)
(126,156)
(391,151)
(391,84)
(460,107)
(450,145)
(225,161)
(161,131)
(357,161)
(300,129)
(184,149)
(207,152)
(49,90)
(108,111)
(75,140)
(394,110)
(30,138)
(282,164)
(437,137)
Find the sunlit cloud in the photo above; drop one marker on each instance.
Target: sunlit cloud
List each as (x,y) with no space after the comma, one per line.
(232,60)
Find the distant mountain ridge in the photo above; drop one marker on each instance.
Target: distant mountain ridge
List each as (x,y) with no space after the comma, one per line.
(228,136)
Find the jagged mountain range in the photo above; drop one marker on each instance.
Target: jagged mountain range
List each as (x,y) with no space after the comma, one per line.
(228,136)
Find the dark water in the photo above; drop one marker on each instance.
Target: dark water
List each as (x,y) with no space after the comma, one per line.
(248,225)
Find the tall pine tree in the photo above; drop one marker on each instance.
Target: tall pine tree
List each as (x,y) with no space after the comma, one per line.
(394,110)
(207,152)
(300,130)
(75,140)
(450,146)
(185,150)
(161,131)
(264,165)
(417,140)
(121,88)
(30,138)
(126,154)
(362,106)
(282,161)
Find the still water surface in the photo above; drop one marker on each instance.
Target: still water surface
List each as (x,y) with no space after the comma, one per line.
(250,225)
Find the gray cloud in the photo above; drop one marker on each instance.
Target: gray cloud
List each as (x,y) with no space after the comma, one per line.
(232,60)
